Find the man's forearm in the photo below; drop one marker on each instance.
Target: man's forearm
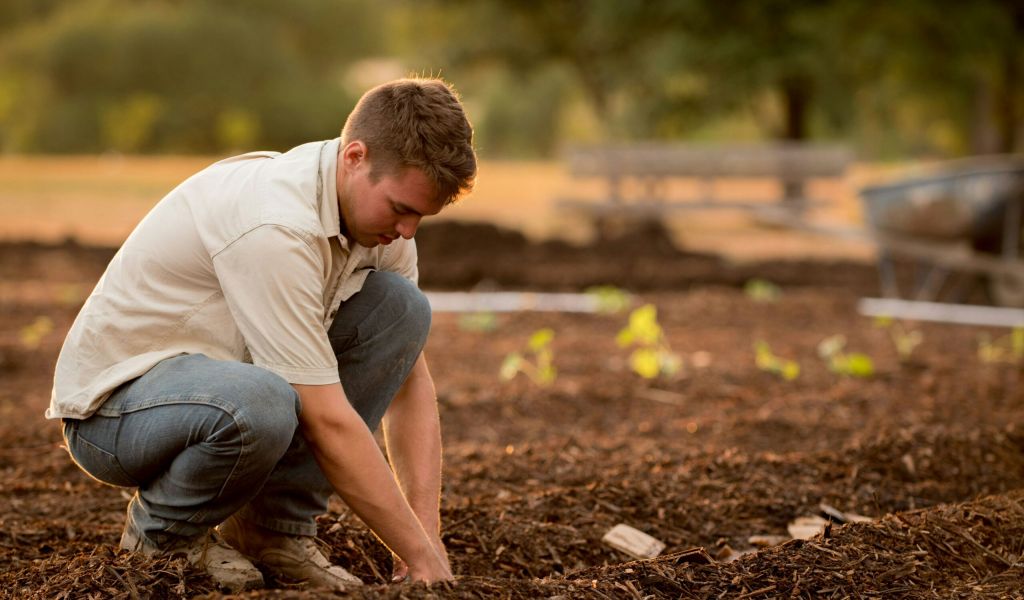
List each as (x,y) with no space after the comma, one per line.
(353,463)
(412,431)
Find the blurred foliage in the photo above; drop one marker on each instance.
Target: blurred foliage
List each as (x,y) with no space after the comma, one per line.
(652,356)
(760,290)
(904,338)
(851,364)
(609,299)
(177,75)
(1003,349)
(768,362)
(537,362)
(917,77)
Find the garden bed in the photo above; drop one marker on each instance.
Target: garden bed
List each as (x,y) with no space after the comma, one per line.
(930,446)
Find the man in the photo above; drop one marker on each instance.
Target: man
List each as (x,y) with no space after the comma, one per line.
(254,330)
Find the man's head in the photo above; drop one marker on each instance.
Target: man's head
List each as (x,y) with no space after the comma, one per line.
(406,151)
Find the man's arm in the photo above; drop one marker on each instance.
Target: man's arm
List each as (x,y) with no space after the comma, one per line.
(353,463)
(412,432)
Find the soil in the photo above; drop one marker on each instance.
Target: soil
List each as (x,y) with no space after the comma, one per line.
(931,448)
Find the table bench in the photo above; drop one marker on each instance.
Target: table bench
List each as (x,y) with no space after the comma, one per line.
(637,175)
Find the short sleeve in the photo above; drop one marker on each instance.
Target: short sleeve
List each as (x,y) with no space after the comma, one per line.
(272,280)
(400,257)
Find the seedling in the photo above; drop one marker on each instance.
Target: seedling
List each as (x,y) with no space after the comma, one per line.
(769,362)
(1007,349)
(851,364)
(31,335)
(904,339)
(537,364)
(609,299)
(478,321)
(652,356)
(760,290)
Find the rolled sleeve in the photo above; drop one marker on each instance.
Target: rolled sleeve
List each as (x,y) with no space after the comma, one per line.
(272,278)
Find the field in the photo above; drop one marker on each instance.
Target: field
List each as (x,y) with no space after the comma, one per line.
(930,447)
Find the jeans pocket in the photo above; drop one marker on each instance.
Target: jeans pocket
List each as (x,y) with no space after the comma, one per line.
(95,461)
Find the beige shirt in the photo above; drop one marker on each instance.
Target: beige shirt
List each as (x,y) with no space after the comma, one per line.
(243,261)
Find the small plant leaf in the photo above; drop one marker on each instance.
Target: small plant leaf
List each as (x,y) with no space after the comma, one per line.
(32,335)
(831,346)
(546,375)
(645,363)
(510,366)
(760,290)
(669,363)
(540,339)
(479,321)
(859,365)
(609,298)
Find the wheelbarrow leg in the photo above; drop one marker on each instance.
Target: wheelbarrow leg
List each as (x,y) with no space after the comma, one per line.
(1008,289)
(887,275)
(930,284)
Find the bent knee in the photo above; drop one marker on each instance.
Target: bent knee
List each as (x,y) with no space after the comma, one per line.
(266,407)
(403,299)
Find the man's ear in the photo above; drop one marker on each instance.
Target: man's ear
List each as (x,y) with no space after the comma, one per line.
(353,153)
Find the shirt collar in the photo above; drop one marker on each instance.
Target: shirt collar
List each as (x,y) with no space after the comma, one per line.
(330,217)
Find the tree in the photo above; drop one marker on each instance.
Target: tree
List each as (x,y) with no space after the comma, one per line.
(182,75)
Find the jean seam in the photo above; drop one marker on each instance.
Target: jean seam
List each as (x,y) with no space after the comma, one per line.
(245,435)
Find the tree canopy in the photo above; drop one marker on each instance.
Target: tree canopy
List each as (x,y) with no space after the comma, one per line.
(919,76)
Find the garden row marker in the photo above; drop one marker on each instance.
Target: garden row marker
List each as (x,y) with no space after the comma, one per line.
(633,542)
(960,314)
(804,528)
(511,302)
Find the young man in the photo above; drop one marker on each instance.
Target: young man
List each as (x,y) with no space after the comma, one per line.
(252,332)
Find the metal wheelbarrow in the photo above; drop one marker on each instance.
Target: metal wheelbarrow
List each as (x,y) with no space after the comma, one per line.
(957,225)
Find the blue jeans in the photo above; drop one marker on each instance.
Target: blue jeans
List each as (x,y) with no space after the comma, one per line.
(202,439)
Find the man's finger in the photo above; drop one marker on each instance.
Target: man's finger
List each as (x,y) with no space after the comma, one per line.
(400,572)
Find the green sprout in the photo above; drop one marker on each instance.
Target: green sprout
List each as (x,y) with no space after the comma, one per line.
(904,339)
(32,335)
(652,356)
(851,364)
(1007,349)
(770,363)
(760,290)
(540,369)
(484,321)
(609,299)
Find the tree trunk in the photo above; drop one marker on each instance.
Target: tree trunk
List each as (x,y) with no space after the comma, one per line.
(1008,115)
(796,98)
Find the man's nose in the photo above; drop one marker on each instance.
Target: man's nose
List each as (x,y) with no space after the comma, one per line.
(406,226)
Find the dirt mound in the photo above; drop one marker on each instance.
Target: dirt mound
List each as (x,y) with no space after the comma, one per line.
(456,255)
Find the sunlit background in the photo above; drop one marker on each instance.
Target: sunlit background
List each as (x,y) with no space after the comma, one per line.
(108,81)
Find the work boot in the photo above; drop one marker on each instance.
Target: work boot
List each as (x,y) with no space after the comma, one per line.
(291,558)
(208,552)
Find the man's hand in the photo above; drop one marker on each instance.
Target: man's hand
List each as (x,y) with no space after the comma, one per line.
(400,570)
(355,466)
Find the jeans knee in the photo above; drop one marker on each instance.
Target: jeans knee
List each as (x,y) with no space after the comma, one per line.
(409,305)
(269,415)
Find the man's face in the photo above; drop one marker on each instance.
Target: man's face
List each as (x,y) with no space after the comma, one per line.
(378,212)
